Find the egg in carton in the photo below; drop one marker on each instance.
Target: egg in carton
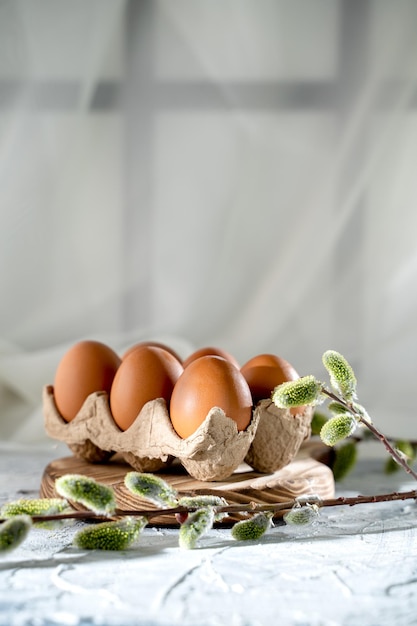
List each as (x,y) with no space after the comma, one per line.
(213,452)
(279,435)
(280,432)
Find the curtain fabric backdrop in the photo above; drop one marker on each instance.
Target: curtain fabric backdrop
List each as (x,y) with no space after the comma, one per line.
(230,173)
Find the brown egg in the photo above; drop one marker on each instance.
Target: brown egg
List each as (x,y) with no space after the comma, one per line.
(154,344)
(87,367)
(209,381)
(264,372)
(210,351)
(146,374)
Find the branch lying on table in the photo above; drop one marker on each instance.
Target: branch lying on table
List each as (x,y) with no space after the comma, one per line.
(252,507)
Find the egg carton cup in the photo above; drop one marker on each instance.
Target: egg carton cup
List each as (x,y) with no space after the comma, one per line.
(279,436)
(211,453)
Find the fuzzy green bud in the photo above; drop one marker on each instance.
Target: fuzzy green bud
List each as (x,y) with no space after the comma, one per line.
(406,450)
(337,428)
(203,501)
(253,528)
(14,531)
(345,459)
(88,492)
(299,392)
(118,535)
(361,412)
(336,408)
(38,507)
(301,515)
(152,488)
(342,377)
(196,525)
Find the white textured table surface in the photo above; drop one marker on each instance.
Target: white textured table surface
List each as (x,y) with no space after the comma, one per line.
(357,566)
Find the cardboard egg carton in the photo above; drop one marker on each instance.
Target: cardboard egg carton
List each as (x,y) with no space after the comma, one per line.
(279,435)
(212,453)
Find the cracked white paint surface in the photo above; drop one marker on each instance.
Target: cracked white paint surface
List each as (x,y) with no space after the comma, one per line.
(357,566)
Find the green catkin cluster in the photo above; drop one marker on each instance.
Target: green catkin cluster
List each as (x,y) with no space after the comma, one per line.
(196,525)
(86,491)
(345,458)
(337,428)
(404,448)
(152,488)
(14,531)
(301,515)
(203,501)
(253,528)
(38,507)
(117,535)
(342,377)
(299,392)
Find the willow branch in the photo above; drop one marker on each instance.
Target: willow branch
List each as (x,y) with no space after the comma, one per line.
(252,507)
(382,438)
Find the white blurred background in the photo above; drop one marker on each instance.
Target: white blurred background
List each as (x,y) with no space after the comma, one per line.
(239,173)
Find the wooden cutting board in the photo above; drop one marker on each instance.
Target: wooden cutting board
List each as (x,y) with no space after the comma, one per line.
(304,475)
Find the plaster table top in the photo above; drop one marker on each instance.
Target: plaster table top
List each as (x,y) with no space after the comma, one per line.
(356,566)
